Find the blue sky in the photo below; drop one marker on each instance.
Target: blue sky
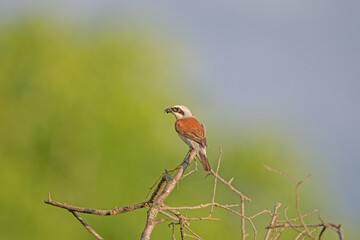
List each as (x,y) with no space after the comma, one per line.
(296,63)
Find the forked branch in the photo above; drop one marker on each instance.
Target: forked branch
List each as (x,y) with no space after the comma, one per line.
(303,228)
(164,187)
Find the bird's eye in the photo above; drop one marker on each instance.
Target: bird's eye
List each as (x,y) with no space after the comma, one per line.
(175,109)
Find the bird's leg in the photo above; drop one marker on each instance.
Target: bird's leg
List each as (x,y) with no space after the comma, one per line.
(188,156)
(195,165)
(188,153)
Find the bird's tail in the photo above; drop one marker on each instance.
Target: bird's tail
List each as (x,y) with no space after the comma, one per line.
(204,161)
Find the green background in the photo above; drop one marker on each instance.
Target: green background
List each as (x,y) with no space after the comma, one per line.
(82,117)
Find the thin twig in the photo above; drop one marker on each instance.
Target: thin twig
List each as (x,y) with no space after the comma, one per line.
(340,233)
(298,205)
(242,218)
(273,219)
(162,220)
(182,234)
(322,232)
(323,229)
(198,237)
(279,233)
(156,206)
(297,195)
(316,228)
(173,230)
(289,223)
(115,211)
(215,181)
(190,236)
(198,206)
(168,215)
(297,218)
(281,173)
(159,188)
(301,226)
(187,219)
(189,173)
(228,184)
(81,220)
(202,218)
(259,213)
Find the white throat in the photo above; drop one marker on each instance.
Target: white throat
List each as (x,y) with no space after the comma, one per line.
(186,111)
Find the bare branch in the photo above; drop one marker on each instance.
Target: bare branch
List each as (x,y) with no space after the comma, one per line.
(202,218)
(165,185)
(281,173)
(182,233)
(159,188)
(173,230)
(340,233)
(322,232)
(228,184)
(168,215)
(215,181)
(289,223)
(154,209)
(298,183)
(273,219)
(279,233)
(301,226)
(81,220)
(197,236)
(199,206)
(297,218)
(259,213)
(242,218)
(162,220)
(115,211)
(189,173)
(300,234)
(298,205)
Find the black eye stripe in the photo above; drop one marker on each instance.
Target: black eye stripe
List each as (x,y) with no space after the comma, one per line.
(176,109)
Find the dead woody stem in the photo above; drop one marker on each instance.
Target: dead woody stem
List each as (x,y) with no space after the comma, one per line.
(164,187)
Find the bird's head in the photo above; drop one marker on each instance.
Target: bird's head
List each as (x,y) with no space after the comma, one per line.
(179,111)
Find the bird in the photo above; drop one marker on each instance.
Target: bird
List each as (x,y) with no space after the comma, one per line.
(191,132)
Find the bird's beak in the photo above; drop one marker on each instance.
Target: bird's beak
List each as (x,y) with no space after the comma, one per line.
(168,110)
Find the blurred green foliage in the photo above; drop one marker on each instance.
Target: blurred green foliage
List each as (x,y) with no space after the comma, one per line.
(81,116)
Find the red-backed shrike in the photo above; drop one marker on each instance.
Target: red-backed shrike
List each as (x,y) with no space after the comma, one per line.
(191,132)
